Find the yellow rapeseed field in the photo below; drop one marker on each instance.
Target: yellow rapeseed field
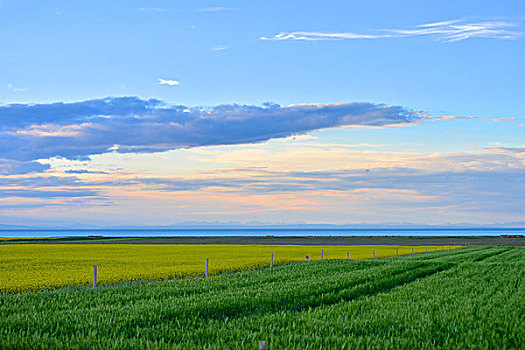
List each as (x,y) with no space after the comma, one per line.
(26,267)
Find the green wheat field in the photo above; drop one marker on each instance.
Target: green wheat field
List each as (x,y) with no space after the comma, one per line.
(470,298)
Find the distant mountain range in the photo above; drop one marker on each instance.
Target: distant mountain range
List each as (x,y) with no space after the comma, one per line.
(253,225)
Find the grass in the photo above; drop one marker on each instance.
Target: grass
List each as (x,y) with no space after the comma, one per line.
(470,298)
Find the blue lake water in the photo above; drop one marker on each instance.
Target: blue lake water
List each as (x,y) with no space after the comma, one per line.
(144,232)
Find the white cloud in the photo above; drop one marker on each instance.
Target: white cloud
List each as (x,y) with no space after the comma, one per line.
(16,89)
(446,31)
(444,23)
(220,48)
(314,36)
(168,82)
(448,117)
(501,120)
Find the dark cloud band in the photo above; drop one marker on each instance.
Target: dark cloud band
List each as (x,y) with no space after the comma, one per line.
(130,124)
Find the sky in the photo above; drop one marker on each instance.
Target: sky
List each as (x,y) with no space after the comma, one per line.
(262,112)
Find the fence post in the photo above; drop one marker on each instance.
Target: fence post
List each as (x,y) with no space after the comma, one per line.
(435,249)
(348,255)
(322,253)
(271,262)
(95,276)
(206,267)
(412,251)
(262,345)
(397,252)
(374,253)
(426,250)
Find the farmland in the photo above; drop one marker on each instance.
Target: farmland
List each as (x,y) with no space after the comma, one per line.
(467,298)
(34,267)
(279,240)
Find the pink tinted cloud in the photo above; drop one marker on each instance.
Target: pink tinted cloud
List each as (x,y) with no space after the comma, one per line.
(501,120)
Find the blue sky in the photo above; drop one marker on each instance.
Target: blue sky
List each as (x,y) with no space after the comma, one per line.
(192,108)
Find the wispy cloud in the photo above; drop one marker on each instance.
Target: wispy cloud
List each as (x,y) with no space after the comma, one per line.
(16,89)
(129,124)
(29,193)
(449,117)
(460,30)
(168,82)
(390,181)
(344,187)
(501,120)
(446,31)
(83,171)
(318,36)
(220,48)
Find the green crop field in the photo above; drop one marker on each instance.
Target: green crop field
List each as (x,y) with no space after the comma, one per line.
(470,298)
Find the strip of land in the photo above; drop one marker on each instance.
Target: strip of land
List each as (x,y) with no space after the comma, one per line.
(311,240)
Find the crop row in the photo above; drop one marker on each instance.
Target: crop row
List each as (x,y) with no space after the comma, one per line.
(466,298)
